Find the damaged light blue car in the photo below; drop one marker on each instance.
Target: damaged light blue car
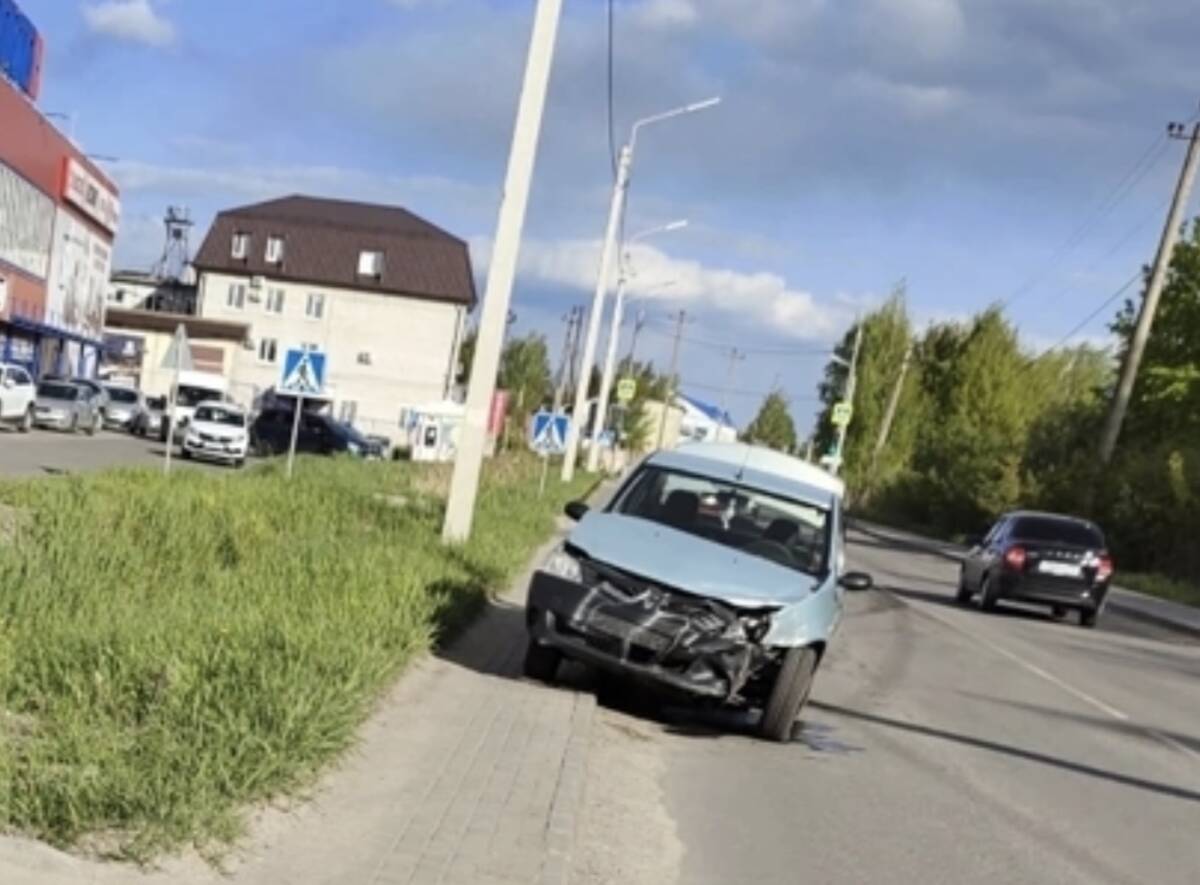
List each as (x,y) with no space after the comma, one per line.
(716,572)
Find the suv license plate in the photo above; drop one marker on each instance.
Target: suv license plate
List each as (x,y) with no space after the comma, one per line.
(1060,569)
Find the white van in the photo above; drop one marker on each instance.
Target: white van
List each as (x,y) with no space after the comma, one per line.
(194,388)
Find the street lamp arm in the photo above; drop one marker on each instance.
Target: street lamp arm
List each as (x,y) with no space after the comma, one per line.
(667,115)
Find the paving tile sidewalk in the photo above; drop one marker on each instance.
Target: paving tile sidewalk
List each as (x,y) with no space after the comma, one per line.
(466,774)
(1139,606)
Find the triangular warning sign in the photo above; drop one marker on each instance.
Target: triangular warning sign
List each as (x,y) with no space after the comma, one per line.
(179,354)
(303,378)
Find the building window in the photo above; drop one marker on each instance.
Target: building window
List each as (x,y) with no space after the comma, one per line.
(236,297)
(241,246)
(315,308)
(364,358)
(275,298)
(268,350)
(370,264)
(348,412)
(274,250)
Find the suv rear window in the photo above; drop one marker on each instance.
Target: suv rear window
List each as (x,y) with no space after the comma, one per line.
(1065,531)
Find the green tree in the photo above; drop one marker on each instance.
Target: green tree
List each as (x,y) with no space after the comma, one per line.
(466,355)
(525,374)
(773,425)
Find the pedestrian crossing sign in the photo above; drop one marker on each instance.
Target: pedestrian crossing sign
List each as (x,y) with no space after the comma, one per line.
(549,433)
(303,373)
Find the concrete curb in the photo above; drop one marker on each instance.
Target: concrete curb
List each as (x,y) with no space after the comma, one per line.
(1128,603)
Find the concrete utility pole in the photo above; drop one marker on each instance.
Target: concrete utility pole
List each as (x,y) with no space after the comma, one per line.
(851,386)
(1162,264)
(893,403)
(735,357)
(680,320)
(614,337)
(639,323)
(464,486)
(565,365)
(615,213)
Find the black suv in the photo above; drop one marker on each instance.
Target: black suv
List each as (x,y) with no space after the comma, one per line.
(1060,561)
(271,434)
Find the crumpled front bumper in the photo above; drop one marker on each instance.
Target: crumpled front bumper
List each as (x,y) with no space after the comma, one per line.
(682,643)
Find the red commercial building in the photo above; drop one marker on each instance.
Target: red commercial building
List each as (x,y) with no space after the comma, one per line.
(58,218)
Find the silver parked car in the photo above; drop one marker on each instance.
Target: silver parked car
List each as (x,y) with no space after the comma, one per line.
(716,573)
(62,405)
(125,405)
(152,417)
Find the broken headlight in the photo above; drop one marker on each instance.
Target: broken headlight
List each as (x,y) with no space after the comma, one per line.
(755,625)
(563,565)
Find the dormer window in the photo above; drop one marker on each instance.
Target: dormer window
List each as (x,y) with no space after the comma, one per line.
(240,247)
(370,264)
(274,253)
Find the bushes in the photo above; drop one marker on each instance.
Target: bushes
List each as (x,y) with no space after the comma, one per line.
(171,650)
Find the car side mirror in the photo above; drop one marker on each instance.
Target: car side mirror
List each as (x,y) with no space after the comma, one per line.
(576,510)
(8,382)
(857,582)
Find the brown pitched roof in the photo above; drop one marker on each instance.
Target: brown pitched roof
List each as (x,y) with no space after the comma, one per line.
(323,240)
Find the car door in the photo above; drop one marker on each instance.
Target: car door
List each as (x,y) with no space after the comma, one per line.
(975,564)
(24,390)
(9,407)
(314,435)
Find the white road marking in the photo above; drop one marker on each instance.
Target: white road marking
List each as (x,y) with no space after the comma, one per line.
(1079,693)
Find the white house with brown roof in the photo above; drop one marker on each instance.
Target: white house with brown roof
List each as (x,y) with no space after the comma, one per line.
(383,293)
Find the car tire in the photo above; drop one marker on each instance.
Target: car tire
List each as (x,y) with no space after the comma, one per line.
(1058,612)
(26,424)
(541,662)
(1089,617)
(964,594)
(788,694)
(184,453)
(239,463)
(987,596)
(74,424)
(94,427)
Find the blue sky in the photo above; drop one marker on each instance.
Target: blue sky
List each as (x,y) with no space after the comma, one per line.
(955,143)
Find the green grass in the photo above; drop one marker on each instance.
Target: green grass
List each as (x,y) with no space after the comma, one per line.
(1160,586)
(173,650)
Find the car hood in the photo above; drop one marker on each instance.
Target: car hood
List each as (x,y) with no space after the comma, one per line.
(676,559)
(220,431)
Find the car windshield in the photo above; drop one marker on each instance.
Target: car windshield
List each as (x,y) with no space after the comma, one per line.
(1061,531)
(193,396)
(122,395)
(54,390)
(789,533)
(217,415)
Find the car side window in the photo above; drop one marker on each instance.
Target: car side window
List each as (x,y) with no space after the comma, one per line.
(20,377)
(994,535)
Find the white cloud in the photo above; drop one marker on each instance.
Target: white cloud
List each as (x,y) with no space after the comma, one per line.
(667,13)
(133,21)
(758,298)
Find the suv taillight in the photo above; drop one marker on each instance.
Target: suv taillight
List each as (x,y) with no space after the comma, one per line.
(1105,569)
(1014,558)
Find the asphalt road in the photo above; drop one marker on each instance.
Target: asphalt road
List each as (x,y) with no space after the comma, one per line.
(46,452)
(941,745)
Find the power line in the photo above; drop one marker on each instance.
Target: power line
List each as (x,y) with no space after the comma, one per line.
(740,392)
(1145,164)
(1095,313)
(750,351)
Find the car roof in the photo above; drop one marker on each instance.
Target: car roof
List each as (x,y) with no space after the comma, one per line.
(756,467)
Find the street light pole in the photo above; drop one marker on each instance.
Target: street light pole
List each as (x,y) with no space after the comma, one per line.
(615,212)
(851,385)
(614,335)
(468,463)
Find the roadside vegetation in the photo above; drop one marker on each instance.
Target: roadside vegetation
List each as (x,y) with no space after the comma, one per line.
(172,650)
(984,426)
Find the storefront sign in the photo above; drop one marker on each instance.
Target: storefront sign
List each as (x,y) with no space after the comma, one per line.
(85,192)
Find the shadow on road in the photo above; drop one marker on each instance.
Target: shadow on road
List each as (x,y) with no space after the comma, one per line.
(1003,610)
(1014,752)
(868,536)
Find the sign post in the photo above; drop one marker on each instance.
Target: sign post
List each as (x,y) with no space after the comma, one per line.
(303,376)
(179,359)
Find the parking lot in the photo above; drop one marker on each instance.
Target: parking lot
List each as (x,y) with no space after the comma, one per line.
(45,452)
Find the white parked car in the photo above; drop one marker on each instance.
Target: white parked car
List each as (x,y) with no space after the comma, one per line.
(17,395)
(218,431)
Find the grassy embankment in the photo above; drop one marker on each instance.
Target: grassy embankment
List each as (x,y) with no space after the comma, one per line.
(171,651)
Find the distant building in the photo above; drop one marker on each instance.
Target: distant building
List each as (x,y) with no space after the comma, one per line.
(703,422)
(384,293)
(58,217)
(138,290)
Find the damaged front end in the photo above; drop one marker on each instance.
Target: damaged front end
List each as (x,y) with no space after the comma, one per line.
(671,638)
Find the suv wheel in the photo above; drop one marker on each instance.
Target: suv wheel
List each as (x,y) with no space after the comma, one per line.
(541,662)
(788,695)
(987,595)
(964,594)
(27,420)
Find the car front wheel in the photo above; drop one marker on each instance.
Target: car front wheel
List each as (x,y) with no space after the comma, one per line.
(27,421)
(964,594)
(541,662)
(987,595)
(789,694)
